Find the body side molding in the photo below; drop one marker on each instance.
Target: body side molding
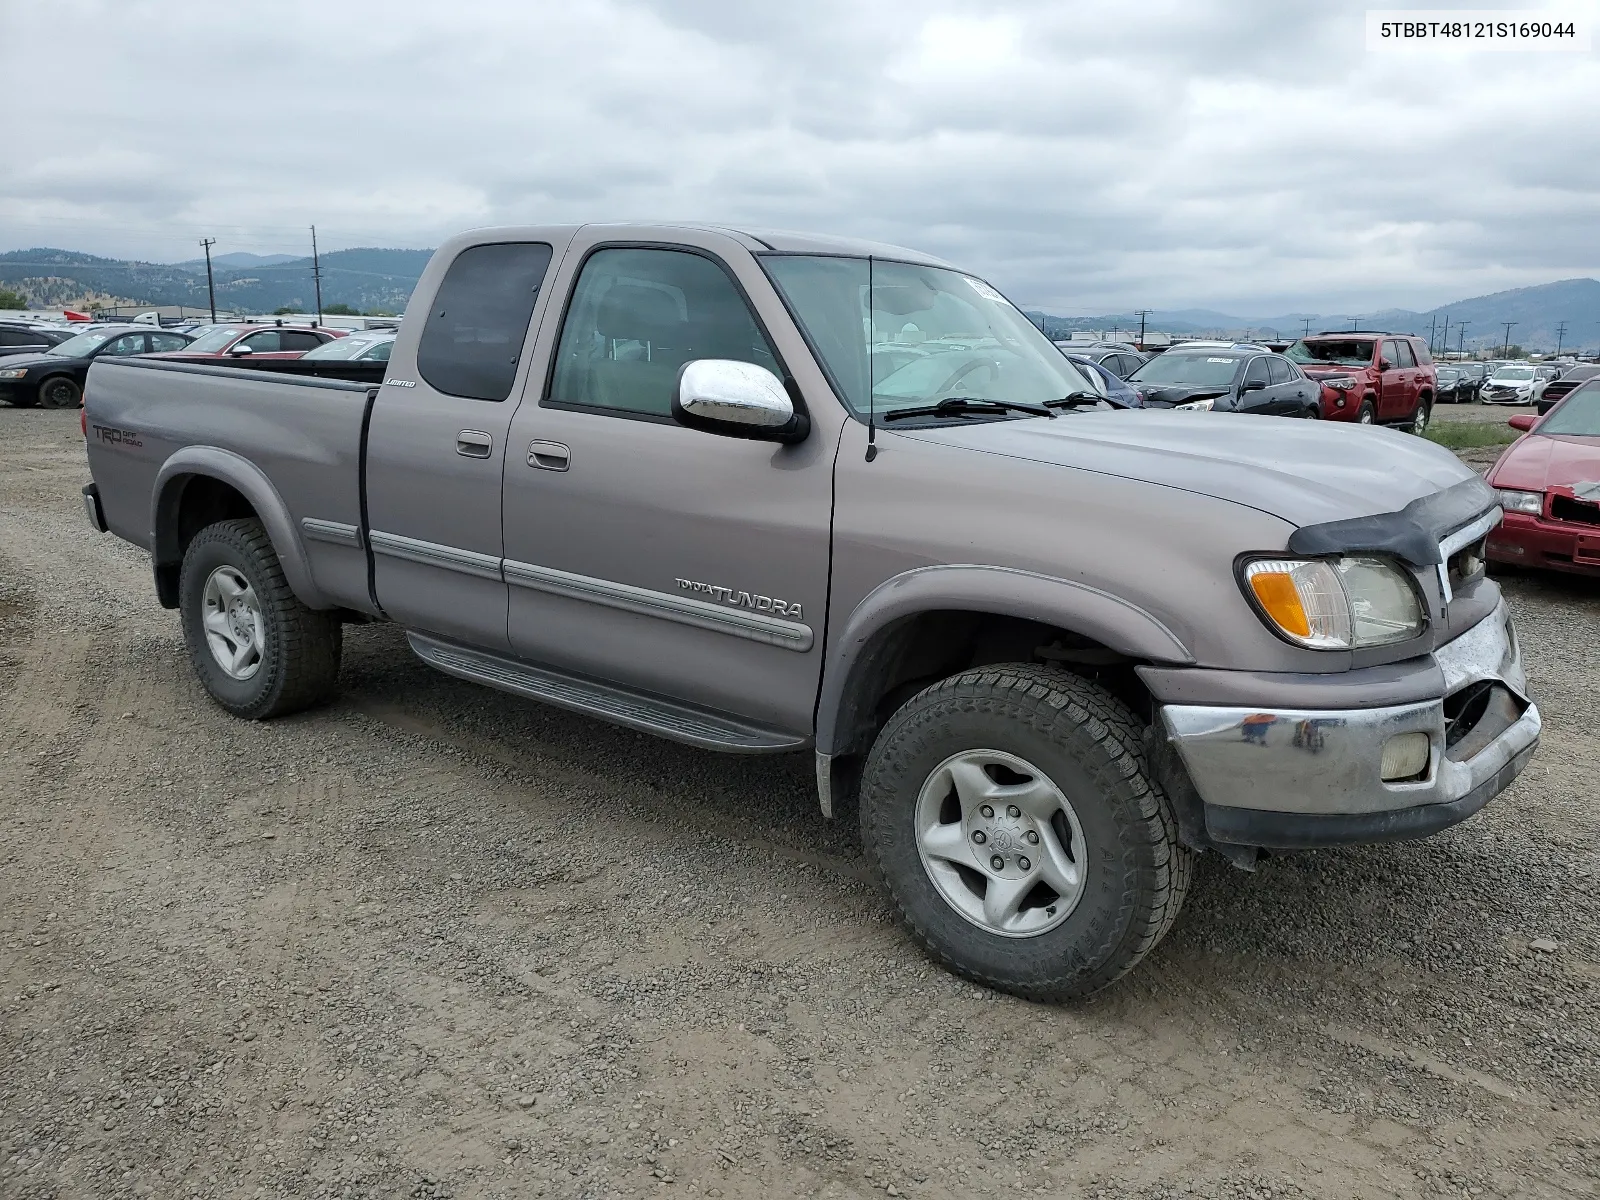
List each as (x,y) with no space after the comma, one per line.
(719,618)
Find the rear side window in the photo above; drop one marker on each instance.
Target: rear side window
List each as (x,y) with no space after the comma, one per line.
(1404,357)
(479,319)
(167,341)
(1421,352)
(294,339)
(1282,372)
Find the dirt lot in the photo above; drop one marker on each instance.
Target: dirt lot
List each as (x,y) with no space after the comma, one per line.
(437,941)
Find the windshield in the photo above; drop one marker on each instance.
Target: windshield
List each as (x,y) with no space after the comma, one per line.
(1514,373)
(1578,415)
(83,344)
(1343,353)
(212,340)
(349,346)
(925,335)
(1187,370)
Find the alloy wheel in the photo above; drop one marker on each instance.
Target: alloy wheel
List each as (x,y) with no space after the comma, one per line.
(1001,843)
(232,620)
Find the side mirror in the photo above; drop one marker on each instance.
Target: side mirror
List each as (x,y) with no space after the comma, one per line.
(241,350)
(1523,421)
(1253,385)
(736,399)
(1385,365)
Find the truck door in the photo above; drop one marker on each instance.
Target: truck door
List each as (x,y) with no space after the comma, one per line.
(639,552)
(436,444)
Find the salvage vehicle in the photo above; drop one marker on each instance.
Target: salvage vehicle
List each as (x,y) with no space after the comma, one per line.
(1234,379)
(1569,380)
(1048,649)
(1373,378)
(256,341)
(55,378)
(1548,482)
(1115,389)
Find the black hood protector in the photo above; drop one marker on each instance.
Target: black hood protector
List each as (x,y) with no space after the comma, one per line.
(1412,534)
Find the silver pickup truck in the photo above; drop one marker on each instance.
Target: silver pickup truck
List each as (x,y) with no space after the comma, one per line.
(771,493)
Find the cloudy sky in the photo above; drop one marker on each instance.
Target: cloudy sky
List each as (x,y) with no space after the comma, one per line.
(1246,155)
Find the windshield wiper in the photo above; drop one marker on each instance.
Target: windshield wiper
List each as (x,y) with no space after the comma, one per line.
(965,406)
(1077,399)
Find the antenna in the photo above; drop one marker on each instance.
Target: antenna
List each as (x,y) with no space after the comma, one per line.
(872,367)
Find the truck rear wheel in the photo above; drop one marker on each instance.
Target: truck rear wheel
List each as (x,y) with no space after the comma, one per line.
(257,649)
(1012,817)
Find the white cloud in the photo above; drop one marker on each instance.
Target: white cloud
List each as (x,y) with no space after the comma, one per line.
(1246,155)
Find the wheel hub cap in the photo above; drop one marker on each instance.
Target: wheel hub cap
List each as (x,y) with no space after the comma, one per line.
(231,616)
(1000,842)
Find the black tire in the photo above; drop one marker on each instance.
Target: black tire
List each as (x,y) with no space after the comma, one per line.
(1313,413)
(1422,416)
(300,648)
(60,392)
(1091,747)
(1367,414)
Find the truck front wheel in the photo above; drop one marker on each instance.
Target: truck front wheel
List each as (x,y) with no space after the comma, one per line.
(1013,819)
(257,649)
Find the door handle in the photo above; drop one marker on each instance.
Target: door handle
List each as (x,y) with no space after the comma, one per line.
(549,456)
(474,443)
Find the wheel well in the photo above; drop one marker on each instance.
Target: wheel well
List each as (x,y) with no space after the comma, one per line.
(920,650)
(188,504)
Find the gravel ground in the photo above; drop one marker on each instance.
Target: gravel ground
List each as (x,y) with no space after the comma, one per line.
(436,941)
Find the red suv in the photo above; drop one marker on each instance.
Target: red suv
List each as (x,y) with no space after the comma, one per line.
(1371,377)
(254,341)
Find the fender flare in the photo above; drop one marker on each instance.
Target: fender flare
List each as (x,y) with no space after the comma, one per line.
(251,482)
(1002,591)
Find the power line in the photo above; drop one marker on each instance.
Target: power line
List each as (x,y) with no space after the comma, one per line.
(211,286)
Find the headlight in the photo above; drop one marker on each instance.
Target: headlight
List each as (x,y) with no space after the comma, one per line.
(1196,405)
(1337,603)
(1522,502)
(1342,384)
(14,373)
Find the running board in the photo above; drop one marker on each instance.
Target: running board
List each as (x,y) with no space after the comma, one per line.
(607,701)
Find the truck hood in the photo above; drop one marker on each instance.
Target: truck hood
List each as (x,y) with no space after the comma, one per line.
(1306,472)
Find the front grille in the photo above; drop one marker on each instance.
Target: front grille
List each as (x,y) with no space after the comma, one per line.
(1466,564)
(1565,508)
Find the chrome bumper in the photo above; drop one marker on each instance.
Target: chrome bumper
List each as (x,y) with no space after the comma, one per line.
(1325,763)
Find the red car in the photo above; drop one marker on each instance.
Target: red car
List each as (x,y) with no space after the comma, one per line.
(1549,486)
(1370,377)
(254,341)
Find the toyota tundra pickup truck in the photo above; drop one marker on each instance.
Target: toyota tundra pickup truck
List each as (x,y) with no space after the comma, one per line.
(772,493)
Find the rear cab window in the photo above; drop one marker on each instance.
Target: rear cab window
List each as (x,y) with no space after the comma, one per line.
(478,321)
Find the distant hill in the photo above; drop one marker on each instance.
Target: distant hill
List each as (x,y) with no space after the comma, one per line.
(365,278)
(1537,310)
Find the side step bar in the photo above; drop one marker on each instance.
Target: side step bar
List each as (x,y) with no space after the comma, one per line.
(607,701)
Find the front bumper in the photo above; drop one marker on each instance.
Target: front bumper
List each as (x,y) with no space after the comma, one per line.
(1510,398)
(1525,540)
(1302,778)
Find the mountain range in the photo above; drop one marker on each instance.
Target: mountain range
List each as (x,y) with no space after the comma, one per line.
(1537,314)
(372,278)
(366,279)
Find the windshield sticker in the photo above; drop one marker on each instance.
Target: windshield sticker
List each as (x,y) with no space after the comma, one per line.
(984,290)
(1221,360)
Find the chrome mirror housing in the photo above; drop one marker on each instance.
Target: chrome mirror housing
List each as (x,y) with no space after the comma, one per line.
(736,399)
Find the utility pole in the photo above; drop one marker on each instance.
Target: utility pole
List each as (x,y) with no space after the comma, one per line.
(1446,338)
(1432,322)
(211,287)
(1141,314)
(316,272)
(1355,323)
(1461,336)
(1561,333)
(1306,321)
(1505,350)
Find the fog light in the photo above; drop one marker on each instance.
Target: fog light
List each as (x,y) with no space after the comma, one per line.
(1339,402)
(1404,757)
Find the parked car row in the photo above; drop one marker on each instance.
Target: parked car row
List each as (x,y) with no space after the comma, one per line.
(46,366)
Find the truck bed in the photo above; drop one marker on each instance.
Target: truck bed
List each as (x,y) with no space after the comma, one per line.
(291,444)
